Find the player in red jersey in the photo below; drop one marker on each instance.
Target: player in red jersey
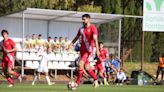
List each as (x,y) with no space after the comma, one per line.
(8,48)
(100,64)
(88,33)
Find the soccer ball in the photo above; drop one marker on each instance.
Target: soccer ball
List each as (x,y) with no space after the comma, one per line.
(72,85)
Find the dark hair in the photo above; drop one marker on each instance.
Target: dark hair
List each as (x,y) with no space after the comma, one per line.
(162,54)
(39,35)
(4,31)
(86,15)
(100,43)
(49,37)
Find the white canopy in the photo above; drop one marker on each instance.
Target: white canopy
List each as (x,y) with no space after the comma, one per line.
(61,15)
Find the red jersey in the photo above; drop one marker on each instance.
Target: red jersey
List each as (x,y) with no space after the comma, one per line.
(8,45)
(103,55)
(87,33)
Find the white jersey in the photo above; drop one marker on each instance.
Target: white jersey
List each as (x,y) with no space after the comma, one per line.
(43,66)
(121,76)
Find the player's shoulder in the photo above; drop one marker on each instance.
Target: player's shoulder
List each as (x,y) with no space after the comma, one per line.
(92,26)
(9,39)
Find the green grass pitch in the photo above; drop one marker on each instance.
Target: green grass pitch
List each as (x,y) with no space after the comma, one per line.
(82,88)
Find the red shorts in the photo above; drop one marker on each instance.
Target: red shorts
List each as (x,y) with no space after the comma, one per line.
(84,55)
(6,63)
(99,67)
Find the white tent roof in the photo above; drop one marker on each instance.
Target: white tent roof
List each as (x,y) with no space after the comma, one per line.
(61,15)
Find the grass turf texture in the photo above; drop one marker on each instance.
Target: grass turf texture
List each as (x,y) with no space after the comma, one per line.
(82,88)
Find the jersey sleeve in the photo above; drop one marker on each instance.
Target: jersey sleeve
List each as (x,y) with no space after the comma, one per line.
(12,43)
(94,29)
(106,53)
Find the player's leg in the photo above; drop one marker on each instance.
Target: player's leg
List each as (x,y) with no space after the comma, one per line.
(157,74)
(47,76)
(8,77)
(92,74)
(35,77)
(101,73)
(162,70)
(80,71)
(10,71)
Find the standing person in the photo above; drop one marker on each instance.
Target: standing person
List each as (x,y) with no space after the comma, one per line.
(8,47)
(43,67)
(89,35)
(100,64)
(160,67)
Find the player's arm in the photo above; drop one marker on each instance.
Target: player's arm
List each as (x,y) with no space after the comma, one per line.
(76,38)
(97,46)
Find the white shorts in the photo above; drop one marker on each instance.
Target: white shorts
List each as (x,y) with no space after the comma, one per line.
(43,69)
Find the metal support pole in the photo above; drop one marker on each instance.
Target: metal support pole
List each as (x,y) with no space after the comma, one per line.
(142,47)
(48,28)
(22,72)
(119,39)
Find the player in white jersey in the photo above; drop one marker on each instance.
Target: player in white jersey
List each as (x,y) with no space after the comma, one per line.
(43,67)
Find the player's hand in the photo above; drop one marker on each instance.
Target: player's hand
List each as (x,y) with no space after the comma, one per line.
(98,53)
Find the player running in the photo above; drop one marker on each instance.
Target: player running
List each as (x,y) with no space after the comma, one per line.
(8,47)
(89,35)
(100,64)
(43,67)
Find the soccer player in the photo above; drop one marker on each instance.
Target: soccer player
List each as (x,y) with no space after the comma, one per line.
(43,67)
(8,47)
(100,64)
(89,35)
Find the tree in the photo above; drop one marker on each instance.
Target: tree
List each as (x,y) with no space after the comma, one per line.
(157,46)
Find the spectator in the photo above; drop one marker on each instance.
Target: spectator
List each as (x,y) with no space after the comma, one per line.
(108,67)
(61,43)
(27,43)
(66,44)
(39,43)
(33,41)
(115,63)
(48,43)
(120,77)
(56,44)
(160,66)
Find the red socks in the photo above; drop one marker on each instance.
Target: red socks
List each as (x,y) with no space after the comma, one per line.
(79,76)
(10,80)
(92,74)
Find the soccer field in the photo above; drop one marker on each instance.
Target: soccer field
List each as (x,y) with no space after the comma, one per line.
(82,88)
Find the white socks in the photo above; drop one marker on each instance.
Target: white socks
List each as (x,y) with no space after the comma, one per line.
(48,80)
(35,78)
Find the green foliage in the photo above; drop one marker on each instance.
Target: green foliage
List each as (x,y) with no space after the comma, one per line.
(89,6)
(157,46)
